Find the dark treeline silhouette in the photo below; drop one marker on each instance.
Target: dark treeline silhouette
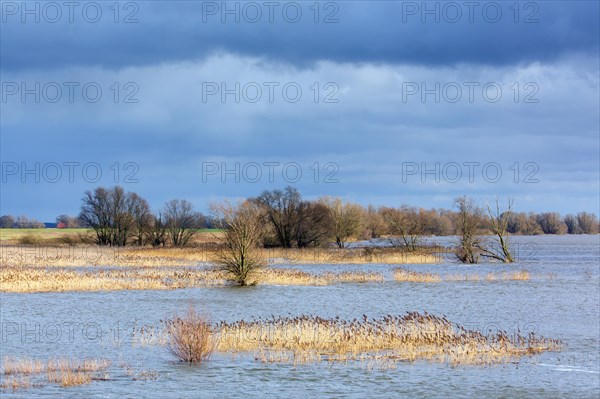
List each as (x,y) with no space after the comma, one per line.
(121,218)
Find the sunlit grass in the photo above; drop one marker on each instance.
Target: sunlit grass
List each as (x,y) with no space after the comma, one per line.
(18,373)
(59,279)
(378,342)
(414,336)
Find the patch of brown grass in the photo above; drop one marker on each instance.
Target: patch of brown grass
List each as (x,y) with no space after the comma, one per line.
(349,256)
(15,383)
(65,372)
(411,337)
(56,279)
(404,275)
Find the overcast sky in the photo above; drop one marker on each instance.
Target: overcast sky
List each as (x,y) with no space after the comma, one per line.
(382,102)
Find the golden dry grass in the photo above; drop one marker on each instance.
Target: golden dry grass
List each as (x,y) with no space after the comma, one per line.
(65,372)
(60,279)
(411,337)
(15,382)
(378,343)
(405,275)
(348,256)
(90,255)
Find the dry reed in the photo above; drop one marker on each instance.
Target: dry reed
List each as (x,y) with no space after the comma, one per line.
(63,371)
(90,255)
(55,279)
(405,275)
(411,337)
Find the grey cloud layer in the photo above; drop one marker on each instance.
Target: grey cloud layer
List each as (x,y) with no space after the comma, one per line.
(365,31)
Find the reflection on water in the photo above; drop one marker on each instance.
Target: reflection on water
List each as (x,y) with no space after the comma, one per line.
(100,325)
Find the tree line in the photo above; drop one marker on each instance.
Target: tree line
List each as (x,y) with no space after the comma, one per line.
(282,218)
(121,218)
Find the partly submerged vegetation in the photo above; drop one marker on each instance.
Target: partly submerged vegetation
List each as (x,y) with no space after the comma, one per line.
(394,338)
(23,373)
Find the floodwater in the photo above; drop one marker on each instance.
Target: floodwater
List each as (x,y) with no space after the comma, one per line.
(561,300)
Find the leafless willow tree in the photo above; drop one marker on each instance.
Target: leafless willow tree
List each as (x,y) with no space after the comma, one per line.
(181,221)
(469,219)
(405,225)
(156,235)
(111,213)
(314,226)
(283,212)
(346,219)
(373,223)
(24,222)
(551,223)
(243,226)
(498,224)
(7,222)
(587,223)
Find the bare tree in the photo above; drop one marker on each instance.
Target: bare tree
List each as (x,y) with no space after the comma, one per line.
(110,212)
(181,221)
(572,224)
(315,225)
(156,234)
(404,224)
(373,223)
(23,222)
(7,222)
(469,220)
(283,212)
(587,222)
(243,225)
(498,224)
(523,223)
(142,219)
(551,223)
(346,219)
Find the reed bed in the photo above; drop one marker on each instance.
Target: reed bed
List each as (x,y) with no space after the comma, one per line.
(379,343)
(54,279)
(414,336)
(65,372)
(405,275)
(349,256)
(15,382)
(90,255)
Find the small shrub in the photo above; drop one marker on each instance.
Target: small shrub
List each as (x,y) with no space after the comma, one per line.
(29,239)
(190,337)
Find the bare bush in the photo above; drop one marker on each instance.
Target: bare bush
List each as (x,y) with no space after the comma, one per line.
(190,336)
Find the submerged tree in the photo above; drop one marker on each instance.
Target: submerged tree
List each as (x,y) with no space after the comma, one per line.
(469,220)
(406,224)
(243,226)
(498,224)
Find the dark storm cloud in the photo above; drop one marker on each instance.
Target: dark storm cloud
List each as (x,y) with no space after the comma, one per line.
(382,31)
